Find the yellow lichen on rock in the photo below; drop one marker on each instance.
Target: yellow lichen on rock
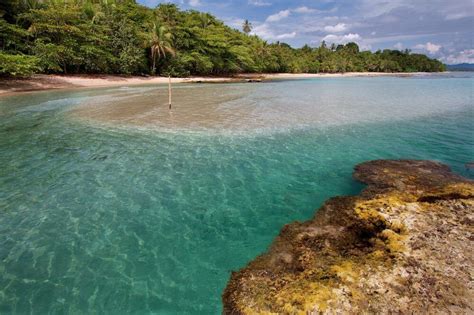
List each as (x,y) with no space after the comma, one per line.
(399,247)
(393,241)
(345,271)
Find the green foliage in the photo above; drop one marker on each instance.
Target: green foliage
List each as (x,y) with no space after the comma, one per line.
(52,57)
(18,65)
(12,37)
(123,37)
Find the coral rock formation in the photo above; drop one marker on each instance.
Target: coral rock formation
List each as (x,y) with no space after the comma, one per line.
(404,245)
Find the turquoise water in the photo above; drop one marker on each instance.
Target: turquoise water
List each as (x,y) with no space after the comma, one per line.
(100,213)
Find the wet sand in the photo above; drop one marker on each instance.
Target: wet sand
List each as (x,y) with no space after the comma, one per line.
(195,107)
(220,107)
(43,82)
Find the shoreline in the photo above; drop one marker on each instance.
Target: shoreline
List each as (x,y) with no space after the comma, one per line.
(45,82)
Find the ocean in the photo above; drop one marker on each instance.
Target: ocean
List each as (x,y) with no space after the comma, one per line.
(110,203)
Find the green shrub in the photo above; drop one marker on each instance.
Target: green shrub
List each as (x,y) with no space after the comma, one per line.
(18,65)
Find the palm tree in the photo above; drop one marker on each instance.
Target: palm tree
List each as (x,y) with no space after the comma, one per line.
(32,4)
(160,43)
(93,13)
(247,27)
(204,20)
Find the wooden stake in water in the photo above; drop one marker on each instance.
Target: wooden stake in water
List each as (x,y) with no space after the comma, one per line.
(169,91)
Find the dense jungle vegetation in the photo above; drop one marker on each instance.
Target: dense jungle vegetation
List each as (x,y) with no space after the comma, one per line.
(123,37)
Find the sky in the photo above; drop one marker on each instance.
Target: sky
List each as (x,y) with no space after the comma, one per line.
(442,29)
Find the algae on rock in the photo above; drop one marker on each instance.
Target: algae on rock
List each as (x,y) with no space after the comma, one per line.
(404,245)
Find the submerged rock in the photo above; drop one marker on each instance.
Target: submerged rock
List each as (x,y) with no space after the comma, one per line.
(404,245)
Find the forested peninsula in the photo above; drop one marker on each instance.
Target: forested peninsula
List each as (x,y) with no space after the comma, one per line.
(123,37)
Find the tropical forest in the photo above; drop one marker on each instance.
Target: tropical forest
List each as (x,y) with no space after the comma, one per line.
(124,37)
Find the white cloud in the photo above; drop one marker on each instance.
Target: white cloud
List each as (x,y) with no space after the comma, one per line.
(384,39)
(398,46)
(279,16)
(194,3)
(347,38)
(429,47)
(457,16)
(443,33)
(234,22)
(374,8)
(286,35)
(267,32)
(342,39)
(464,56)
(338,28)
(259,3)
(286,13)
(304,10)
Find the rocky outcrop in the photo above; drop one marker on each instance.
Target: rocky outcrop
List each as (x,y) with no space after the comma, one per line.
(404,245)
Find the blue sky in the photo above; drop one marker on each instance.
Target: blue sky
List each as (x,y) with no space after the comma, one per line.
(440,28)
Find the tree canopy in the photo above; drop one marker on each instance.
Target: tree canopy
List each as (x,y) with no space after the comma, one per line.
(123,37)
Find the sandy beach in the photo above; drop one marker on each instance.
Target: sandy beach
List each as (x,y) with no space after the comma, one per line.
(42,82)
(50,82)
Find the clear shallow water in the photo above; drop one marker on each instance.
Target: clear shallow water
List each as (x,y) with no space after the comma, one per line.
(129,215)
(276,107)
